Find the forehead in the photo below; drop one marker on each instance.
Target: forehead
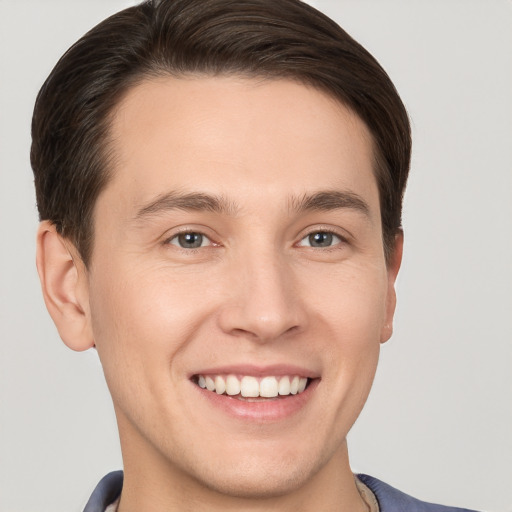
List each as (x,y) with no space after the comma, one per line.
(231,134)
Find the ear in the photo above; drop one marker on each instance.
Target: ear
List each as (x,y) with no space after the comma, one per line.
(64,283)
(393,268)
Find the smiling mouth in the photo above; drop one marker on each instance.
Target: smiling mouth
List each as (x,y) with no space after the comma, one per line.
(250,388)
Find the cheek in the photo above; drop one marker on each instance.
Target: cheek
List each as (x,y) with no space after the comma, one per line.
(354,312)
(141,310)
(353,302)
(142,322)
(137,324)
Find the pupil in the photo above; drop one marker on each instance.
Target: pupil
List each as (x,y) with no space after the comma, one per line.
(320,239)
(190,240)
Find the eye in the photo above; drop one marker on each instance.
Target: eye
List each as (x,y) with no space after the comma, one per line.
(190,240)
(321,239)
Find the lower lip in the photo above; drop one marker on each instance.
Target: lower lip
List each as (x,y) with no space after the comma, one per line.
(260,411)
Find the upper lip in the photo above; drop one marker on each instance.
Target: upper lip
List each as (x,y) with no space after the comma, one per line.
(275,370)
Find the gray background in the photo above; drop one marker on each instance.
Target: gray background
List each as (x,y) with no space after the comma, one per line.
(438,421)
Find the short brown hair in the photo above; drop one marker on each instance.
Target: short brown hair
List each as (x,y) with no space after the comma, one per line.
(70,153)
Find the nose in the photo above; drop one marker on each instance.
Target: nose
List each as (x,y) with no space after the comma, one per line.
(262,301)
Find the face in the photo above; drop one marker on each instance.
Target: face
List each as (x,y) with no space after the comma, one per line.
(238,251)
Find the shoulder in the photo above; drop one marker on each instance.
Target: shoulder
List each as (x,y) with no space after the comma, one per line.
(393,500)
(106,492)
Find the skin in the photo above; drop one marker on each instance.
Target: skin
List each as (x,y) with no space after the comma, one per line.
(256,292)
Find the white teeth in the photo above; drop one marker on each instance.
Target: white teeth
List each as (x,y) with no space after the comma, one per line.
(232,385)
(268,387)
(220,385)
(252,387)
(210,385)
(284,386)
(249,387)
(294,385)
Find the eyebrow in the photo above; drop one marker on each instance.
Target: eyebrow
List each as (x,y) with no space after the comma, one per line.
(195,201)
(198,201)
(330,200)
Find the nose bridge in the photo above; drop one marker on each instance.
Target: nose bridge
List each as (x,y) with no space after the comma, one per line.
(262,304)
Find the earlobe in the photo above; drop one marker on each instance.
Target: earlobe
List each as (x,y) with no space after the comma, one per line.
(393,268)
(64,285)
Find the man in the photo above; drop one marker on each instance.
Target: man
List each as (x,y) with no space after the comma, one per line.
(220,187)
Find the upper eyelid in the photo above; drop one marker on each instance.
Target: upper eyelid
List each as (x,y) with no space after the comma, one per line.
(176,231)
(343,234)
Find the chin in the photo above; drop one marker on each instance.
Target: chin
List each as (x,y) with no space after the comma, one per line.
(264,473)
(255,479)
